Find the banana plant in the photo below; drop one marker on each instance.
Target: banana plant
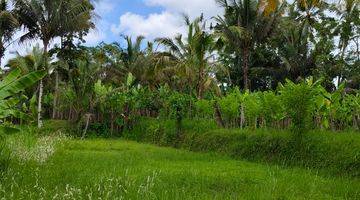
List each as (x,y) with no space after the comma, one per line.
(11,85)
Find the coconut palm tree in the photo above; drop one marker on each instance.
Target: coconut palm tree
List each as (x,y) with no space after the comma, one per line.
(193,56)
(8,26)
(348,29)
(48,19)
(132,56)
(245,23)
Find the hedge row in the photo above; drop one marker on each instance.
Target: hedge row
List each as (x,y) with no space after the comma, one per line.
(337,153)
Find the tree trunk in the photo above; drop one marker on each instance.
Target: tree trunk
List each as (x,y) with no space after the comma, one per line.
(201,82)
(126,116)
(242,116)
(2,51)
(246,68)
(112,123)
(218,117)
(178,126)
(41,88)
(56,92)
(87,116)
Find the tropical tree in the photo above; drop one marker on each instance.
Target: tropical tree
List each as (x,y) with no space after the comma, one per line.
(348,29)
(245,24)
(132,57)
(10,86)
(193,56)
(48,19)
(26,64)
(117,61)
(8,26)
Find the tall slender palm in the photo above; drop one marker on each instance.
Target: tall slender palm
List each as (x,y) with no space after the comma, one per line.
(245,23)
(348,28)
(296,38)
(193,56)
(8,26)
(48,19)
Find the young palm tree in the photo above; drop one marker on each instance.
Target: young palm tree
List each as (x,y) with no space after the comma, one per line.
(8,26)
(27,64)
(48,19)
(245,23)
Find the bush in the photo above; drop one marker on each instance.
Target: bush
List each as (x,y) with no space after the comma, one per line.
(272,109)
(230,108)
(204,108)
(163,132)
(297,100)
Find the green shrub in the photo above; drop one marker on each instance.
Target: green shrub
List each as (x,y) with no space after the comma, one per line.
(272,109)
(204,108)
(297,100)
(230,107)
(253,108)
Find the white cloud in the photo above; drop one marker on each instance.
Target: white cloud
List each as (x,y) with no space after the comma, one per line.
(104,6)
(95,36)
(99,34)
(193,8)
(169,22)
(16,47)
(165,24)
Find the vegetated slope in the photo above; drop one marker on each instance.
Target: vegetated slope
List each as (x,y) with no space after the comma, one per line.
(335,153)
(114,169)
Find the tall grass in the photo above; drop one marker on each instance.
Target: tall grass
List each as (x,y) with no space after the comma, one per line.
(115,169)
(4,155)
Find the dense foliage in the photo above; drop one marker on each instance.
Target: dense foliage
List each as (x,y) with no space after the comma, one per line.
(256,70)
(267,80)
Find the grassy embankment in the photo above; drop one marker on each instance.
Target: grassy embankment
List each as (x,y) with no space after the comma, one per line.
(115,169)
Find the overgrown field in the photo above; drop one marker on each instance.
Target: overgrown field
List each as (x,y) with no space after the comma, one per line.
(118,169)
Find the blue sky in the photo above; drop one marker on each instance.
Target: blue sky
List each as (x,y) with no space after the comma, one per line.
(149,18)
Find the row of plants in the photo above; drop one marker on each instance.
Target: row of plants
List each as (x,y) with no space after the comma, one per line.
(298,106)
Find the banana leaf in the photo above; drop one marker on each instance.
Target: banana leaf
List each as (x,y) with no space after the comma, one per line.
(12,84)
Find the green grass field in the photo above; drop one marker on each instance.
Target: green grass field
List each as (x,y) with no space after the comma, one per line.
(117,169)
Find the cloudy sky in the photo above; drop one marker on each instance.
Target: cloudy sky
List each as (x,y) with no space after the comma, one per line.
(150,18)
